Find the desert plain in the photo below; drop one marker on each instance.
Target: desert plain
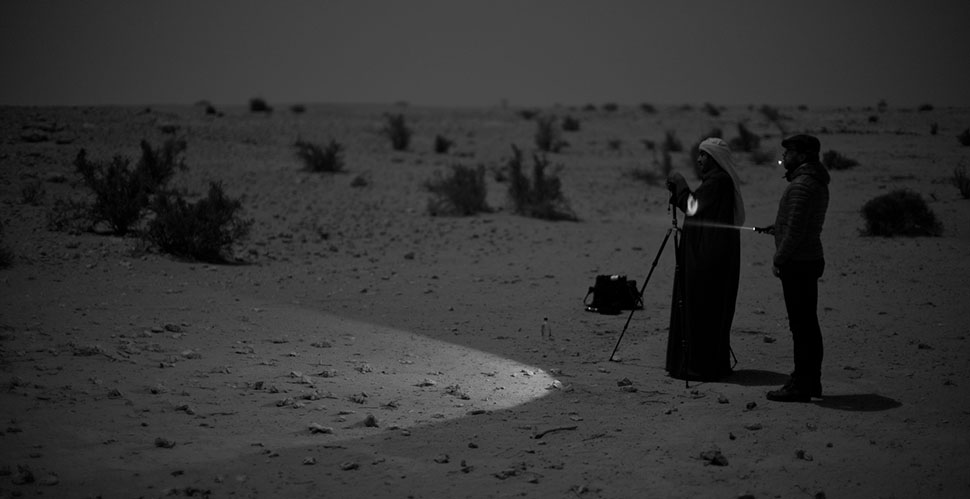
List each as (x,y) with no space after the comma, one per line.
(358,346)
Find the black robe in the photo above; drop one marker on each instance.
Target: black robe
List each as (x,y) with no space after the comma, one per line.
(709,270)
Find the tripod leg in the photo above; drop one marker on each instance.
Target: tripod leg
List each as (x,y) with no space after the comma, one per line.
(679,275)
(643,288)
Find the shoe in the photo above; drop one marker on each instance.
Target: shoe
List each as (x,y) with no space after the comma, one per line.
(791,393)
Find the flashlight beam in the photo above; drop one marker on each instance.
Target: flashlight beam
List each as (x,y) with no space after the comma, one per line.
(722,226)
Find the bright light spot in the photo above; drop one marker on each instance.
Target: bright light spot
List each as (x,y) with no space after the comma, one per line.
(692,205)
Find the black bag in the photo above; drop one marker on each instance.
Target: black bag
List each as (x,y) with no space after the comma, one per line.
(613,293)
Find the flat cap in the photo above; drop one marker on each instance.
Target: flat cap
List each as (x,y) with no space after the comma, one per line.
(802,143)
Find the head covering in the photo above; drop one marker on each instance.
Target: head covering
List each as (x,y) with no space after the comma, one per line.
(802,143)
(719,150)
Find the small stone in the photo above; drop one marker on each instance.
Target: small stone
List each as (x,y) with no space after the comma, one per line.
(721,399)
(318,428)
(349,465)
(442,458)
(714,457)
(309,461)
(753,426)
(164,443)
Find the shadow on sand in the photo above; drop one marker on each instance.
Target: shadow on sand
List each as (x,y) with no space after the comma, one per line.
(859,402)
(756,377)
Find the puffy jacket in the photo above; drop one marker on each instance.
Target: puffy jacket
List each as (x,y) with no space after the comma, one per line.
(801,213)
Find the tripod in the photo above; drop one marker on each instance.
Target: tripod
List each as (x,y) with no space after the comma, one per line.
(678,274)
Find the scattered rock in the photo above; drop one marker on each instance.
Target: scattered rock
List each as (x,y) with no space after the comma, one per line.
(23,475)
(714,458)
(753,426)
(349,465)
(308,461)
(442,458)
(721,399)
(316,428)
(624,382)
(164,443)
(804,456)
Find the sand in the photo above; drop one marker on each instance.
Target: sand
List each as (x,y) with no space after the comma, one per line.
(361,347)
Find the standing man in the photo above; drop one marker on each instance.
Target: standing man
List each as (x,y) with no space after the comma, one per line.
(706,289)
(799,262)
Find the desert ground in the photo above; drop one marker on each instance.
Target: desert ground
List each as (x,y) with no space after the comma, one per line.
(361,347)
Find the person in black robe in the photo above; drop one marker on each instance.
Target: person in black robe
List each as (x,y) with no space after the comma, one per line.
(706,284)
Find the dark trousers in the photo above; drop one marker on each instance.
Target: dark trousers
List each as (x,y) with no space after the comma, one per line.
(799,281)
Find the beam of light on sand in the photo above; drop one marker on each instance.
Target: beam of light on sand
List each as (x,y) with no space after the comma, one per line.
(316,368)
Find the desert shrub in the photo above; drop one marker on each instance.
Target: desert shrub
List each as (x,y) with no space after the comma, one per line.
(121,193)
(442,144)
(540,197)
(711,109)
(68,215)
(648,108)
(33,192)
(964,137)
(6,256)
(773,115)
(925,107)
(610,107)
(547,136)
(746,141)
(397,131)
(528,114)
(834,160)
(770,113)
(259,105)
(648,176)
(204,230)
(462,192)
(297,109)
(900,213)
(570,124)
(614,145)
(934,128)
(361,180)
(961,181)
(327,159)
(671,143)
(160,165)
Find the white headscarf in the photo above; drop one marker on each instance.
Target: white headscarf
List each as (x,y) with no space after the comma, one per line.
(719,150)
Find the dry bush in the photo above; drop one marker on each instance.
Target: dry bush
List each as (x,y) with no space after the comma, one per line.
(397,131)
(204,230)
(6,256)
(541,197)
(834,160)
(327,159)
(121,193)
(259,105)
(648,108)
(570,124)
(33,193)
(547,136)
(461,193)
(900,213)
(964,137)
(671,143)
(711,109)
(611,107)
(961,181)
(442,144)
(746,141)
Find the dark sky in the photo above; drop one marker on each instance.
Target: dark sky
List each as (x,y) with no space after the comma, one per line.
(462,52)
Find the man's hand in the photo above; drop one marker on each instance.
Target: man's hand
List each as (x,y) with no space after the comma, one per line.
(770,230)
(675,184)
